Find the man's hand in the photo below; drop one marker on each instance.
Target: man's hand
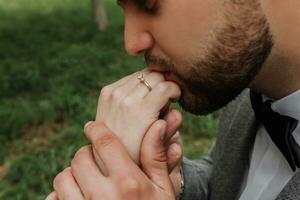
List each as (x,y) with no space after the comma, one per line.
(125,179)
(174,148)
(174,157)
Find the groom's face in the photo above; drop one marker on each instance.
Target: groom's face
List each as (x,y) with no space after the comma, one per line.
(212,48)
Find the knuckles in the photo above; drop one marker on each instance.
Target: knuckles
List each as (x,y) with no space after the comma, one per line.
(168,86)
(104,141)
(62,178)
(157,76)
(80,156)
(128,102)
(105,93)
(117,95)
(129,187)
(94,129)
(99,135)
(163,87)
(168,89)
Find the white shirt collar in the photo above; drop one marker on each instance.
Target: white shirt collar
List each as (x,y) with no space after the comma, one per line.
(290,106)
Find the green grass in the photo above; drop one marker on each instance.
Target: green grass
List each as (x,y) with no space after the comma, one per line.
(53,63)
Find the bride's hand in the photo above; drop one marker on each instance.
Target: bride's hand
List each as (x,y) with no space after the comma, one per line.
(130,107)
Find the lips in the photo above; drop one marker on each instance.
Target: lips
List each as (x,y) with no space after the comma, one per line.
(157,69)
(169,76)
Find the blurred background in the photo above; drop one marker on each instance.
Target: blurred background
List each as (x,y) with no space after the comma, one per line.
(53,62)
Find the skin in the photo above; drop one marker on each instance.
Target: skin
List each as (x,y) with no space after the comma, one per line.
(276,75)
(127,109)
(127,101)
(284,20)
(218,58)
(125,180)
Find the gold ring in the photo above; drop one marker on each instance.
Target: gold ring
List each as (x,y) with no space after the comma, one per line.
(142,80)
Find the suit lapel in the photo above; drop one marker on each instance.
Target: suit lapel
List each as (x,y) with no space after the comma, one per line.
(234,141)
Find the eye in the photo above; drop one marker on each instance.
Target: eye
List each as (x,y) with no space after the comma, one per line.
(150,6)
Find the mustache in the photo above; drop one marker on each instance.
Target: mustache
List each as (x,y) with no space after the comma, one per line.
(152,60)
(162,64)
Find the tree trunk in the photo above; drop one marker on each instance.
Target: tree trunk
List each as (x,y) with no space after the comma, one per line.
(99,14)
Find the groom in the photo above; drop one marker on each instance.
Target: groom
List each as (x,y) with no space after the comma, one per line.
(213,50)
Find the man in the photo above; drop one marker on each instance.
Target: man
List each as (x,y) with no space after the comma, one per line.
(214,49)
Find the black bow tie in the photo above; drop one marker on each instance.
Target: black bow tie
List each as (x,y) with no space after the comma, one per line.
(279,127)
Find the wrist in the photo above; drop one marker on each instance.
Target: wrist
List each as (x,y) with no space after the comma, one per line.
(177,181)
(181,189)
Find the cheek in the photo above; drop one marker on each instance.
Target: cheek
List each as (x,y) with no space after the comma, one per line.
(183,26)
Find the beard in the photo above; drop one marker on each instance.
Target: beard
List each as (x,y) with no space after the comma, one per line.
(230,59)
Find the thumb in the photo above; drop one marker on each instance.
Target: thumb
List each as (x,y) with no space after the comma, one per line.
(153,155)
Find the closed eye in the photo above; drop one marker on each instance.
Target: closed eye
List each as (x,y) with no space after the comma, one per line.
(151,3)
(149,6)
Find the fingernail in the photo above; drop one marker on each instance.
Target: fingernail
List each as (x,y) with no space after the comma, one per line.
(52,195)
(67,168)
(87,124)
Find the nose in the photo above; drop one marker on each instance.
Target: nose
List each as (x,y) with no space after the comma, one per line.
(137,39)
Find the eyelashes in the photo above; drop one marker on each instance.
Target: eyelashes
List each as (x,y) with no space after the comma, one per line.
(149,6)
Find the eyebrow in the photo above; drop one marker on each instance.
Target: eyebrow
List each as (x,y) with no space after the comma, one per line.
(136,2)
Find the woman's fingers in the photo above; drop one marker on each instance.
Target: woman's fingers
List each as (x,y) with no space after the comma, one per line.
(127,88)
(141,89)
(128,78)
(161,95)
(112,91)
(135,88)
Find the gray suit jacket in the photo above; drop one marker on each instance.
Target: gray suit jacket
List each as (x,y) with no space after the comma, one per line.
(219,176)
